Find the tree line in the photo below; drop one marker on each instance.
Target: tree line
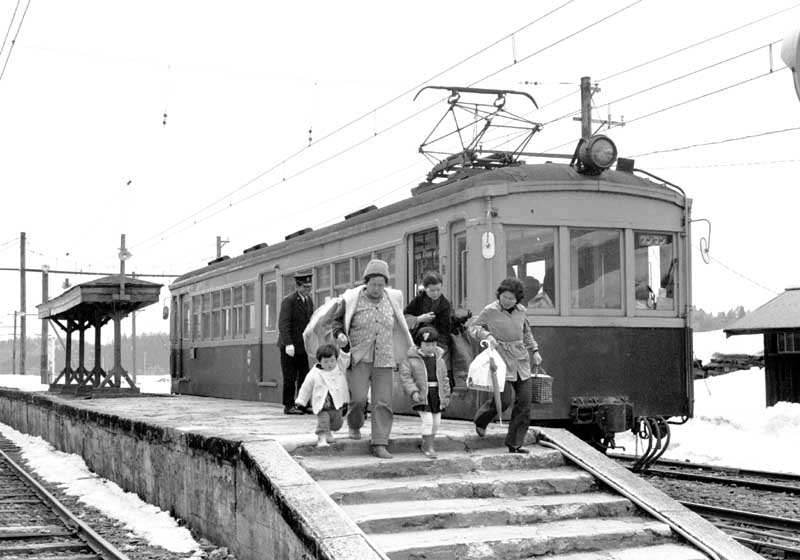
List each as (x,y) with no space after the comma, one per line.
(704,321)
(152,354)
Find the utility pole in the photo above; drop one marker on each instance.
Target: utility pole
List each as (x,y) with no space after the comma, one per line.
(22,305)
(220,243)
(586,107)
(43,341)
(133,340)
(14,348)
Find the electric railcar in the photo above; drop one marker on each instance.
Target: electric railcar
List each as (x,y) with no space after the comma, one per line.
(611,251)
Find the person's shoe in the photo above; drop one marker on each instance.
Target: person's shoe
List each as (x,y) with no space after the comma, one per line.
(329,437)
(292,410)
(427,447)
(520,450)
(354,433)
(480,431)
(321,441)
(307,410)
(381,452)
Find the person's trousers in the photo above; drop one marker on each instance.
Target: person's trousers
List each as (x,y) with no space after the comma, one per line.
(363,377)
(294,370)
(520,415)
(328,421)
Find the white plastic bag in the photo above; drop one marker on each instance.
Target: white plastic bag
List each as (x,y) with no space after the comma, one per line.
(479,377)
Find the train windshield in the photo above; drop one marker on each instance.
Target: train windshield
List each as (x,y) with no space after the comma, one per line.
(654,254)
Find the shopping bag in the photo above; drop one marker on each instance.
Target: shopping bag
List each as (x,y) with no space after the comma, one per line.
(480,373)
(542,387)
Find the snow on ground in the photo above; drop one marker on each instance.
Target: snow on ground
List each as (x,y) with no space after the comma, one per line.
(731,426)
(73,476)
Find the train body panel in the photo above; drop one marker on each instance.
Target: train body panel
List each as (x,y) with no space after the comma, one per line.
(611,252)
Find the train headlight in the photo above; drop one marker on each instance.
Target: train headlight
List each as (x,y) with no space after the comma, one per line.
(597,153)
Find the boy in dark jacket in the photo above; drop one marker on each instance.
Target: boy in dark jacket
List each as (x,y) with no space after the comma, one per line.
(424,377)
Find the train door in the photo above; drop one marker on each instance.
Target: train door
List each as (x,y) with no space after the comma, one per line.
(458,268)
(424,256)
(270,374)
(184,334)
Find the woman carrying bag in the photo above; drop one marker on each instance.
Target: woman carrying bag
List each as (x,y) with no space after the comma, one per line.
(503,324)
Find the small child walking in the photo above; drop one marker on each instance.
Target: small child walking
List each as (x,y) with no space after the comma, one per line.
(326,387)
(424,377)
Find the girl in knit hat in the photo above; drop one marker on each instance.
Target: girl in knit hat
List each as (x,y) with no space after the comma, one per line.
(424,377)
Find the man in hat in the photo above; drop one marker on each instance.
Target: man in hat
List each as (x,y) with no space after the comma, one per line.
(296,310)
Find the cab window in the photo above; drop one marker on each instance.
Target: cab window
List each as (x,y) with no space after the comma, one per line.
(654,254)
(595,272)
(530,256)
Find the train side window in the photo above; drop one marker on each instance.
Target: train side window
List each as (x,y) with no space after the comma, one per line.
(388,256)
(249,308)
(595,268)
(530,256)
(289,285)
(270,306)
(205,317)
(341,277)
(186,317)
(322,284)
(197,304)
(361,266)
(225,327)
(654,255)
(425,256)
(216,314)
(237,314)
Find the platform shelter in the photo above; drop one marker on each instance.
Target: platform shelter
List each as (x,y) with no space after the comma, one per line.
(779,321)
(94,304)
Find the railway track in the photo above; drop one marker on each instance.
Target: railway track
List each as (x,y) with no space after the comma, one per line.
(34,525)
(773,536)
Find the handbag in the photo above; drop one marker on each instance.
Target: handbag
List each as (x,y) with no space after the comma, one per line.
(542,387)
(480,373)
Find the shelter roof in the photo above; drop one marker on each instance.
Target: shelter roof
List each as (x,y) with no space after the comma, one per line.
(100,298)
(780,313)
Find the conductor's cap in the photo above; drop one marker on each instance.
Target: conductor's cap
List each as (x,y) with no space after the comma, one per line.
(302,277)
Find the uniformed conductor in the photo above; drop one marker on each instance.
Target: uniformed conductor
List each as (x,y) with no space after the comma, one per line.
(296,310)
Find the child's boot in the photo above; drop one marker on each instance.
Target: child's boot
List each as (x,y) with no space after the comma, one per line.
(427,446)
(329,437)
(322,441)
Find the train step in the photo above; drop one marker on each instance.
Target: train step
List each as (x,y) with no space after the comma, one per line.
(657,552)
(481,484)
(521,541)
(410,515)
(334,466)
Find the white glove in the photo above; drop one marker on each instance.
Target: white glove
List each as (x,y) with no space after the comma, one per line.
(342,340)
(290,350)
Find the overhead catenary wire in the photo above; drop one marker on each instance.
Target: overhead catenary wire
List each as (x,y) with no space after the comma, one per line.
(158,237)
(371,112)
(14,40)
(676,51)
(722,141)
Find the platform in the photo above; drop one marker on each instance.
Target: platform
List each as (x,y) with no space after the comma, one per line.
(226,468)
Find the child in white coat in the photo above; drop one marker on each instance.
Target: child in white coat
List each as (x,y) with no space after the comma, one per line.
(326,387)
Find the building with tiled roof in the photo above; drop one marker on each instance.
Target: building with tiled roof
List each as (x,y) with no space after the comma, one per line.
(779,321)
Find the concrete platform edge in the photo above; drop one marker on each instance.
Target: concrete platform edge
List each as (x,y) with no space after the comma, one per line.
(249,496)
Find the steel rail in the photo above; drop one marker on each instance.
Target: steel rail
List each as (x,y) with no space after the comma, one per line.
(729,480)
(754,520)
(95,541)
(757,519)
(715,468)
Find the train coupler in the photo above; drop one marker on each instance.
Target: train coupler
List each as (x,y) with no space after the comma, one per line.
(609,414)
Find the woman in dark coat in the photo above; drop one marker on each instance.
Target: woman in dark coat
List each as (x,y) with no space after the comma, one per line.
(431,309)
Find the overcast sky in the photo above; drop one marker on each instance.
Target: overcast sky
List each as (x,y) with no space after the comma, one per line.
(86,156)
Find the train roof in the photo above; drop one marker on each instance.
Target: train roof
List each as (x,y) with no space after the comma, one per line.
(469,183)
